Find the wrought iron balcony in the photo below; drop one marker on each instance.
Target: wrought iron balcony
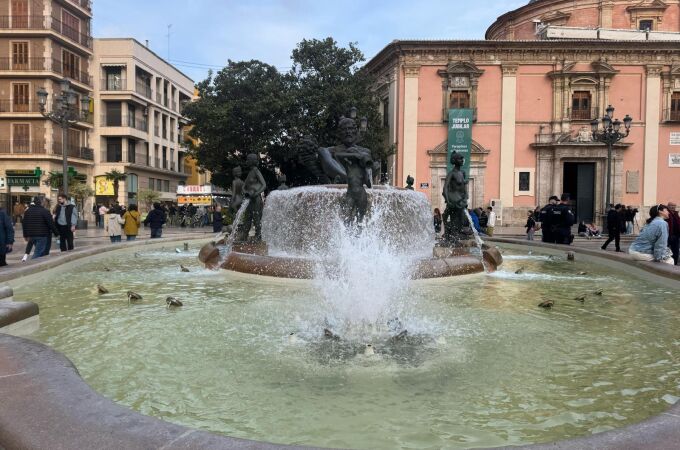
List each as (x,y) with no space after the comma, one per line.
(143,88)
(583,114)
(12,106)
(22,147)
(671,115)
(113,84)
(24,64)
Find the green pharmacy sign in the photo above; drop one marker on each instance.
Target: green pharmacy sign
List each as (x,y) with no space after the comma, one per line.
(23,181)
(460,137)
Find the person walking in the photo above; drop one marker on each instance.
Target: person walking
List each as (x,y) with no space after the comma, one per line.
(113,224)
(613,228)
(132,220)
(437,221)
(491,222)
(155,220)
(673,231)
(38,227)
(217,222)
(6,236)
(652,242)
(66,217)
(103,210)
(530,226)
(18,212)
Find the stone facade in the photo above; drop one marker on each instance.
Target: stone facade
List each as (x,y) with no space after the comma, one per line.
(533,102)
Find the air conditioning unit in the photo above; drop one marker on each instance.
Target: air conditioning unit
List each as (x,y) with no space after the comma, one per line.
(497,206)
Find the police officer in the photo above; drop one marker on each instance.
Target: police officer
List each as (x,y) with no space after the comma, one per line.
(545,217)
(562,220)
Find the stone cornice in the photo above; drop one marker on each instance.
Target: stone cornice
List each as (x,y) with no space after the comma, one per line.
(509,70)
(646,5)
(442,53)
(411,70)
(654,70)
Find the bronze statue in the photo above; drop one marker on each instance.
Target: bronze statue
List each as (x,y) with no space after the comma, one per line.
(282,183)
(351,164)
(409,182)
(307,153)
(456,198)
(253,188)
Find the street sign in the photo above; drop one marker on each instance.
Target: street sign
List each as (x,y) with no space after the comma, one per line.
(23,181)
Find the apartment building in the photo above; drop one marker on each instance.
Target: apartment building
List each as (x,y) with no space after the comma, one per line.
(138,127)
(41,43)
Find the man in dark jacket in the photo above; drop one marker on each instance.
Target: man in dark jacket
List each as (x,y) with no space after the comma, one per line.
(66,217)
(545,217)
(6,236)
(613,228)
(38,225)
(155,220)
(562,220)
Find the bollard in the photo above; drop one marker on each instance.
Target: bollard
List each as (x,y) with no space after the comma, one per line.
(186,246)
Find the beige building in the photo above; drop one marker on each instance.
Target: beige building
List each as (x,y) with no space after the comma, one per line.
(42,42)
(138,97)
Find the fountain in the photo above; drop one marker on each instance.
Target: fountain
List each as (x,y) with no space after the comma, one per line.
(301,227)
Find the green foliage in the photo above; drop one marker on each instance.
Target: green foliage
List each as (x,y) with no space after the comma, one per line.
(251,107)
(81,191)
(148,197)
(116,176)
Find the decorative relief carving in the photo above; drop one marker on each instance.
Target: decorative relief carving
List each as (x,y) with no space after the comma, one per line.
(654,70)
(509,70)
(411,70)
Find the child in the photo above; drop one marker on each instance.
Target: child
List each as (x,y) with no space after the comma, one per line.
(530,226)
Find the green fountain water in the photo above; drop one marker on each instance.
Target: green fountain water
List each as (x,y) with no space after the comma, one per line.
(483,366)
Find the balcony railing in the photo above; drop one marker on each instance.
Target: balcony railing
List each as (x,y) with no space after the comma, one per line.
(11,106)
(38,147)
(156,131)
(157,162)
(158,98)
(23,22)
(71,33)
(113,84)
(77,75)
(24,64)
(165,133)
(143,88)
(22,147)
(583,114)
(137,123)
(35,22)
(671,115)
(74,151)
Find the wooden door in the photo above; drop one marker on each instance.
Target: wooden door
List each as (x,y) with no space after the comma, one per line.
(20,56)
(20,97)
(20,14)
(21,136)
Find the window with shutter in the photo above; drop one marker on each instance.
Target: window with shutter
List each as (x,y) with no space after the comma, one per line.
(20,97)
(20,14)
(20,56)
(21,136)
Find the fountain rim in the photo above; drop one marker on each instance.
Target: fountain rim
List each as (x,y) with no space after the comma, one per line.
(44,386)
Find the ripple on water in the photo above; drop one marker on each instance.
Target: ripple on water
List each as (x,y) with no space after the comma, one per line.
(483,365)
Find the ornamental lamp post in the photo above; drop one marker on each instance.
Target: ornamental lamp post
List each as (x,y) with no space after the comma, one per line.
(610,134)
(64,113)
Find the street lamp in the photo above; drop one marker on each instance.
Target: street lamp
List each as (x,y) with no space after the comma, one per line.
(610,134)
(64,113)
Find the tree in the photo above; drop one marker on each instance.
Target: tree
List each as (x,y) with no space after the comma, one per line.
(81,191)
(148,197)
(115,176)
(251,107)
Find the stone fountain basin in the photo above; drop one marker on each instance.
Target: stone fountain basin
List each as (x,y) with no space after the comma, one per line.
(254,260)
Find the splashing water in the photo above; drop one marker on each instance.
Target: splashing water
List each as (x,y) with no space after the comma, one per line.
(363,270)
(478,240)
(228,242)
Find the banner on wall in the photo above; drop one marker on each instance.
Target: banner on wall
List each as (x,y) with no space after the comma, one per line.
(102,186)
(460,138)
(197,200)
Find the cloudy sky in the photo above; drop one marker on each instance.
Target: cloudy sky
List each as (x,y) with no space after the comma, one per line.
(204,34)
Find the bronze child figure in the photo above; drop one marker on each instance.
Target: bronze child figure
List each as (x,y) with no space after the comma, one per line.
(253,188)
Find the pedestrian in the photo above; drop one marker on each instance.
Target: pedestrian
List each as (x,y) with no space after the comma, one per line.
(491,223)
(38,227)
(673,231)
(652,242)
(613,228)
(6,236)
(103,210)
(155,220)
(437,220)
(172,215)
(217,219)
(113,224)
(562,221)
(545,217)
(18,212)
(132,221)
(483,218)
(95,213)
(66,217)
(530,226)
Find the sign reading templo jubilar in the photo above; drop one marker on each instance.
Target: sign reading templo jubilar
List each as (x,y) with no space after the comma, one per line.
(460,137)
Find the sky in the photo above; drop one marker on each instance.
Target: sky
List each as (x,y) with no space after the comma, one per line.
(205,34)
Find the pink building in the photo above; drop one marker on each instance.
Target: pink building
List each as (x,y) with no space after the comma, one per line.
(544,73)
